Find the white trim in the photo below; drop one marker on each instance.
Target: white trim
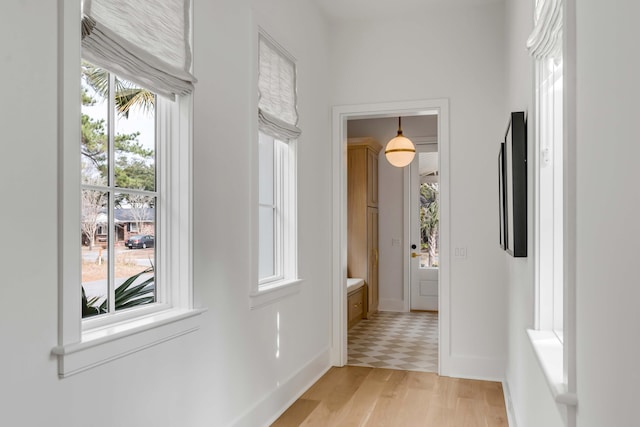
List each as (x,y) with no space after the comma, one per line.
(392,305)
(284,393)
(570,203)
(549,352)
(115,341)
(475,368)
(173,315)
(511,416)
(340,116)
(279,290)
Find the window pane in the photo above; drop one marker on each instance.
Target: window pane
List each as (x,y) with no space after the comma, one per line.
(429,225)
(265,168)
(95,241)
(135,251)
(266,254)
(135,140)
(94,128)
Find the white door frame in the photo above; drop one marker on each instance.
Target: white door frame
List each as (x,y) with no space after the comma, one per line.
(339,233)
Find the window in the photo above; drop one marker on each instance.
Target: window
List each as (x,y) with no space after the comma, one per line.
(276,178)
(552,340)
(276,240)
(550,193)
(429,221)
(118,181)
(125,166)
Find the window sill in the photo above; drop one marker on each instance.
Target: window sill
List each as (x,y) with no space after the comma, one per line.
(102,345)
(549,352)
(274,292)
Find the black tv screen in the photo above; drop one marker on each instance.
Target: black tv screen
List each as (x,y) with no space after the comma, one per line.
(515,186)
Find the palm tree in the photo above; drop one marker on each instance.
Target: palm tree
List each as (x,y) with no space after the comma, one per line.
(127,94)
(429,218)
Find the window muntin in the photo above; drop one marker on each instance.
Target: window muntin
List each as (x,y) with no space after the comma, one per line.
(118,170)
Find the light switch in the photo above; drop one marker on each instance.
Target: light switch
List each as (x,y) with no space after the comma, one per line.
(395,242)
(460,253)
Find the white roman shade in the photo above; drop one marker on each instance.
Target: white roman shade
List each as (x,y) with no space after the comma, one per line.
(277,110)
(545,40)
(144,41)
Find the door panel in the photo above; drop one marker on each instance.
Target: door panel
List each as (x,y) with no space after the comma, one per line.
(424,229)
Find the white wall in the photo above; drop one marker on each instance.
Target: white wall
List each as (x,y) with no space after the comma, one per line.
(608,230)
(391,205)
(455,53)
(532,404)
(228,371)
(607,227)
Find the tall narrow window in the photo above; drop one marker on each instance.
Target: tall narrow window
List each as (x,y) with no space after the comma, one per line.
(553,338)
(545,45)
(277,139)
(550,181)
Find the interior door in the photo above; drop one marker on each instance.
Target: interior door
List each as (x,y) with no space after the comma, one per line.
(425,214)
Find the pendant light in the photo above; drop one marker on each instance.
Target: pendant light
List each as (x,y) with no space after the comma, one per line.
(400,150)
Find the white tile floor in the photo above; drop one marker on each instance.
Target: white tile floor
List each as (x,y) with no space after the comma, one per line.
(407,341)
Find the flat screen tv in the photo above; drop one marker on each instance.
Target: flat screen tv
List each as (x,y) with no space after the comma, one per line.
(515,186)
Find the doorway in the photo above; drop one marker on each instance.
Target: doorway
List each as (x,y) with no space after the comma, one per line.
(341,115)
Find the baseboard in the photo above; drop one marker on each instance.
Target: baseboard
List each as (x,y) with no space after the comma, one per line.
(474,368)
(511,418)
(269,408)
(387,304)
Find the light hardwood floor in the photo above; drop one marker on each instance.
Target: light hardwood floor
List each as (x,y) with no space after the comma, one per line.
(358,396)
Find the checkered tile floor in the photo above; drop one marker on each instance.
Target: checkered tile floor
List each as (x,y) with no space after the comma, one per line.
(407,341)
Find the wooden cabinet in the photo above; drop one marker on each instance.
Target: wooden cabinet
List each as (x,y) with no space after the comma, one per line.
(356,306)
(362,215)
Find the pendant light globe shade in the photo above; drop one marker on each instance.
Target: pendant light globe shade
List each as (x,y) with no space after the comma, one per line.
(400,151)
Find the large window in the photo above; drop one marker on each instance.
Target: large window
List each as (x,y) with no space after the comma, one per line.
(119,193)
(125,180)
(277,258)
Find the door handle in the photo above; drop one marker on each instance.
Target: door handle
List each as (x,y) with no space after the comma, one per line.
(414,255)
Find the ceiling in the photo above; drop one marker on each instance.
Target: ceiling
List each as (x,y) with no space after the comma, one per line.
(345,10)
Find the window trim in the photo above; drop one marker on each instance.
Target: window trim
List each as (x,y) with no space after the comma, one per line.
(78,349)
